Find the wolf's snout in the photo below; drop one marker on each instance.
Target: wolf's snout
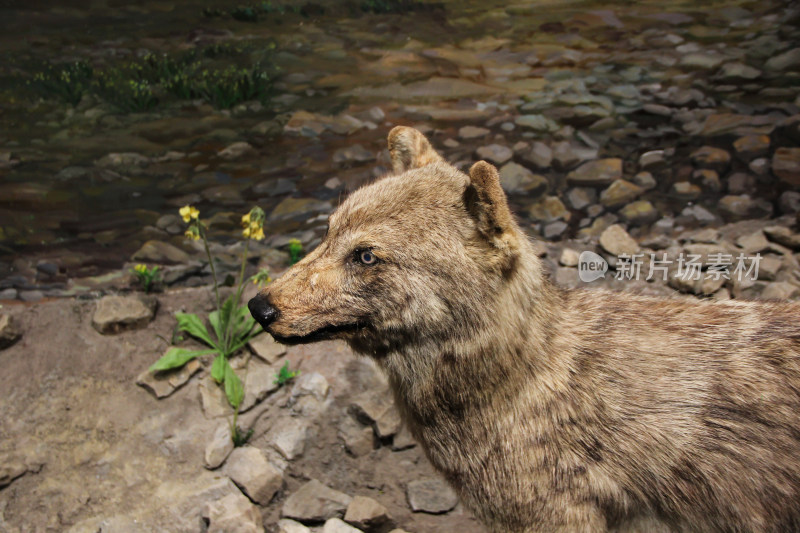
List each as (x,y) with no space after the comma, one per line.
(262,310)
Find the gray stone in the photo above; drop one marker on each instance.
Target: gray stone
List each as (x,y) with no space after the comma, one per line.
(538,123)
(652,160)
(265,347)
(120,313)
(740,182)
(353,154)
(377,408)
(686,190)
(236,150)
(288,435)
(783,236)
(760,166)
(569,257)
(645,180)
(249,468)
(494,153)
(30,296)
(786,165)
(554,230)
(164,383)
(286,525)
(314,502)
(515,178)
(738,71)
(581,197)
(780,290)
(620,193)
(600,172)
(540,155)
(548,209)
(336,525)
(431,495)
(9,332)
(8,294)
(358,439)
(751,146)
(12,466)
(160,252)
(403,439)
(701,61)
(367,514)
(754,242)
(787,60)
(213,399)
(310,384)
(219,447)
(769,266)
(711,157)
(233,514)
(639,213)
(740,207)
(616,241)
(472,132)
(789,202)
(258,383)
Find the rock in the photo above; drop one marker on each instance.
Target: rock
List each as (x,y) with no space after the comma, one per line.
(540,155)
(600,172)
(314,502)
(738,71)
(538,123)
(115,314)
(686,190)
(769,266)
(125,161)
(335,525)
(310,384)
(8,294)
(30,296)
(786,165)
(780,290)
(249,468)
(701,61)
(236,150)
(353,154)
(740,182)
(219,447)
(515,178)
(286,525)
(494,153)
(734,207)
(652,160)
(358,439)
(213,399)
(164,383)
(645,180)
(265,347)
(275,187)
(711,157)
(639,213)
(295,208)
(403,439)
(787,60)
(288,436)
(367,514)
(708,179)
(728,123)
(760,166)
(619,193)
(554,230)
(12,466)
(377,408)
(569,257)
(258,383)
(581,197)
(9,332)
(160,252)
(753,243)
(616,241)
(789,202)
(783,236)
(431,495)
(472,132)
(548,209)
(233,514)
(751,146)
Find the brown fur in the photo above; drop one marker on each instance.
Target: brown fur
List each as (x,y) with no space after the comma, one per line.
(552,410)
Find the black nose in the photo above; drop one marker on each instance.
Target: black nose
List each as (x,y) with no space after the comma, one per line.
(262,310)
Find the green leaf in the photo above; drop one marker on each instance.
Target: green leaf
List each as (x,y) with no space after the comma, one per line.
(175,358)
(191,324)
(218,368)
(233,387)
(213,319)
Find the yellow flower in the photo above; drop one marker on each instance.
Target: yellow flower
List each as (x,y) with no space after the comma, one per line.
(246,232)
(194,235)
(189,212)
(140,268)
(258,234)
(246,220)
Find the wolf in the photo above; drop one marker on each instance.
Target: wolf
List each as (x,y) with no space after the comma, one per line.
(546,409)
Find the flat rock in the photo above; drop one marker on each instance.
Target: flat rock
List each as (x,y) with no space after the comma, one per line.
(160,252)
(548,209)
(233,513)
(367,514)
(600,172)
(358,438)
(753,242)
(711,157)
(212,399)
(114,314)
(314,502)
(569,257)
(786,60)
(336,525)
(377,408)
(250,470)
(403,439)
(620,193)
(739,207)
(789,202)
(258,383)
(265,347)
(779,290)
(353,154)
(472,132)
(9,332)
(645,180)
(164,383)
(288,435)
(786,165)
(219,447)
(494,153)
(286,525)
(514,178)
(639,213)
(540,155)
(750,147)
(538,123)
(12,466)
(431,495)
(616,241)
(783,236)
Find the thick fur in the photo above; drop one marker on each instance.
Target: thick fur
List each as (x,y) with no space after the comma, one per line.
(546,409)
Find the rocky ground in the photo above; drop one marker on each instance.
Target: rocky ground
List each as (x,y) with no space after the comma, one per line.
(646,132)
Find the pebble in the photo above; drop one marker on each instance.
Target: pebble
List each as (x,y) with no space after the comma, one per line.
(250,470)
(494,153)
(265,347)
(686,190)
(258,383)
(358,439)
(115,314)
(620,193)
(751,146)
(786,165)
(236,150)
(514,178)
(548,209)
(581,197)
(780,290)
(600,172)
(219,447)
(367,514)
(569,257)
(554,230)
(753,243)
(285,525)
(645,180)
(783,236)
(9,331)
(784,61)
(616,241)
(540,155)
(538,123)
(335,525)
(653,160)
(639,213)
(164,383)
(314,502)
(711,157)
(739,207)
(377,408)
(431,495)
(288,435)
(233,513)
(467,133)
(160,252)
(789,202)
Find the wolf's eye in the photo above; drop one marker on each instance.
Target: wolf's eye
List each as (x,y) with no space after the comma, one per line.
(367,257)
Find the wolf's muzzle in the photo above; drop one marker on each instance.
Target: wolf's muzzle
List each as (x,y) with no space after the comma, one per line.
(263,311)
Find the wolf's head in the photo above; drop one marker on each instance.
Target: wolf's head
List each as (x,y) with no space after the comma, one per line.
(417,254)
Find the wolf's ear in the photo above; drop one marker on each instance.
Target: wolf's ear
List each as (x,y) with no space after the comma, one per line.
(486,202)
(410,149)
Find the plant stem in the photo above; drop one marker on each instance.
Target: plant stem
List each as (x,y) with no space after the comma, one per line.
(211,263)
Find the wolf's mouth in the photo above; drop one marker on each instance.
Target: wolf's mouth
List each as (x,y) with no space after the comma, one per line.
(321,334)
